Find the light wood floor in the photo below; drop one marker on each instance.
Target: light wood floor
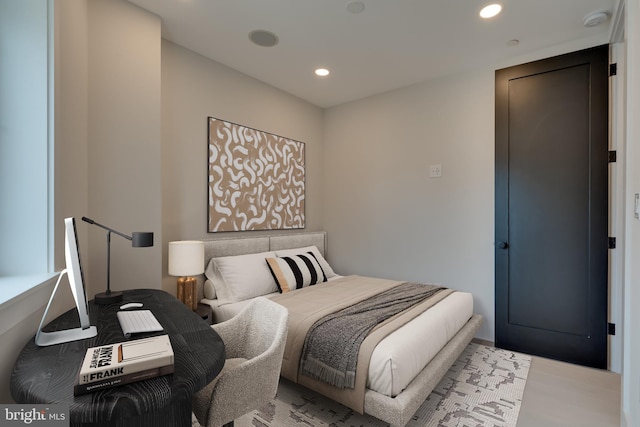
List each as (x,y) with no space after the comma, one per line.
(559,394)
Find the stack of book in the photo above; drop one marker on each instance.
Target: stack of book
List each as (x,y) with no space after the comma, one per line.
(123,363)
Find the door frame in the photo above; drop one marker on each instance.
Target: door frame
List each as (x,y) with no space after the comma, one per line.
(616,204)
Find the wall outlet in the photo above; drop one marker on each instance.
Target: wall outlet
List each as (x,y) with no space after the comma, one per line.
(435,171)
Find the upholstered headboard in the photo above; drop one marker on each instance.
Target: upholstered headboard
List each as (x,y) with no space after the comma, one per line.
(230,246)
(250,245)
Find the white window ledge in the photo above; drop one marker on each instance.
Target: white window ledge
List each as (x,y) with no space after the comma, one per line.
(21,296)
(12,287)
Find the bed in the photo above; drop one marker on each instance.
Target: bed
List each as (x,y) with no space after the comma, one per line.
(403,366)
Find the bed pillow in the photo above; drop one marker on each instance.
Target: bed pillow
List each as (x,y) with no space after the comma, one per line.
(209,290)
(296,271)
(241,277)
(328,271)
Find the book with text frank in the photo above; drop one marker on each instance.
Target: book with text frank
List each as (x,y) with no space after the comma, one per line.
(123,363)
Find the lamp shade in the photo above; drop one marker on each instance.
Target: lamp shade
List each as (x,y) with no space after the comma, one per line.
(141,239)
(186,258)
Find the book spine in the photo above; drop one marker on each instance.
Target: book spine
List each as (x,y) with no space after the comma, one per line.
(116,370)
(146,374)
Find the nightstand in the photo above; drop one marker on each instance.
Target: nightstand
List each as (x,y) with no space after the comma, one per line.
(205,311)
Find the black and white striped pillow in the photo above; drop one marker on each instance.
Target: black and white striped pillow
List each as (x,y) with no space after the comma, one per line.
(296,271)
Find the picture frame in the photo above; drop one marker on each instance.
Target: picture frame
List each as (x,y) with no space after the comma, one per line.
(256,179)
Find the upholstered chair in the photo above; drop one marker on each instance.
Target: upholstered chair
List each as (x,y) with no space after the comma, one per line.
(254,340)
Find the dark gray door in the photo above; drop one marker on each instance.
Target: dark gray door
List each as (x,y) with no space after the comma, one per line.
(551,207)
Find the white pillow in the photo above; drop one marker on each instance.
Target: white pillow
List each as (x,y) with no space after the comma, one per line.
(328,271)
(296,271)
(241,277)
(209,290)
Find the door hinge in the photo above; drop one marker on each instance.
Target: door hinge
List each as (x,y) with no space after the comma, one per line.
(611,328)
(613,69)
(612,242)
(612,156)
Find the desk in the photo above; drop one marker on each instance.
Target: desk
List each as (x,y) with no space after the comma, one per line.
(47,374)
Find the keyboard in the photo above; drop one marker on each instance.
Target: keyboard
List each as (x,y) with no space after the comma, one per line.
(138,321)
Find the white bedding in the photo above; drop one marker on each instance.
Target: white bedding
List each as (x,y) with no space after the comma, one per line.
(403,354)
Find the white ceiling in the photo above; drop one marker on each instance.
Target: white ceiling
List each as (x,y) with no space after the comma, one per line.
(391,44)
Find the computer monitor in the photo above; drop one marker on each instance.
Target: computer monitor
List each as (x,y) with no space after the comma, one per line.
(75,275)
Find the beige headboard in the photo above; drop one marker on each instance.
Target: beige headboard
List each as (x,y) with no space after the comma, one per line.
(229,246)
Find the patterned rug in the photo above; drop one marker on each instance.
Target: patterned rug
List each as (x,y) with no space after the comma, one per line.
(483,388)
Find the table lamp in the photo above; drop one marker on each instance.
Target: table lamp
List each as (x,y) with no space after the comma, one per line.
(186,259)
(138,240)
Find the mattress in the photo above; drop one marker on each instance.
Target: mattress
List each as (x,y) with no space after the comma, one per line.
(399,357)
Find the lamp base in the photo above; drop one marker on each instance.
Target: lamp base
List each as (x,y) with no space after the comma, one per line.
(105,298)
(188,292)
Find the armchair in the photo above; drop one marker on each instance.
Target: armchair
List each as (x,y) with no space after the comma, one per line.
(254,341)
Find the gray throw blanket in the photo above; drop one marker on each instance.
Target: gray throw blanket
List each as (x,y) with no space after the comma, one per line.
(330,351)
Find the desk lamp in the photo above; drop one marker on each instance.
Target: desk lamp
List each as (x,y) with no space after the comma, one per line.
(138,240)
(186,259)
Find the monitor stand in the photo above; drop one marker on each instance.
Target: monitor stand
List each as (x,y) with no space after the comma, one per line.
(44,339)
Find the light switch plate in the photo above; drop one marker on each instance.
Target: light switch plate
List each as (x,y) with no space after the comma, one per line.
(435,171)
(636,206)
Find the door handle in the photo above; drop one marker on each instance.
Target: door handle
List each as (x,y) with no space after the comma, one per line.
(503,245)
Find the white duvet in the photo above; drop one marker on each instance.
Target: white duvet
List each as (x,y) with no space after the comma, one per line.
(403,354)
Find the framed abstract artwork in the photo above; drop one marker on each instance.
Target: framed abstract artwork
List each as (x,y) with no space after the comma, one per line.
(256,179)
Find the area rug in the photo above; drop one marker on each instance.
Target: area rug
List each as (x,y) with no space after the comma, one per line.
(483,388)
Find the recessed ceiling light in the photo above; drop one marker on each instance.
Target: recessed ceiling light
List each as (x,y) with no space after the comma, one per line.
(263,38)
(322,72)
(513,42)
(490,11)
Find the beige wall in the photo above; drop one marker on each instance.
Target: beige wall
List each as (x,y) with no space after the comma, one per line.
(194,88)
(71,120)
(386,217)
(124,144)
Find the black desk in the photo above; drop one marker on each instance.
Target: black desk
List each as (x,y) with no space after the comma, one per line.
(47,374)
